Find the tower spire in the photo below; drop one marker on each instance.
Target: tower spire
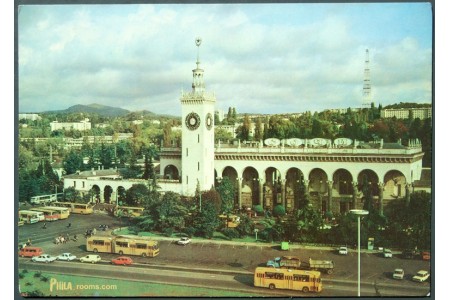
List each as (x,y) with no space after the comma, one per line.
(367,89)
(198,85)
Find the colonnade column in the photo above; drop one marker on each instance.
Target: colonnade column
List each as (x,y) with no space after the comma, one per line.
(102,195)
(239,181)
(261,191)
(355,194)
(306,185)
(380,196)
(408,193)
(283,193)
(330,195)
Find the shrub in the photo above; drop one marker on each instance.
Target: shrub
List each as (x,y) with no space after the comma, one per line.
(189,231)
(258,209)
(168,231)
(37,274)
(279,211)
(230,233)
(44,278)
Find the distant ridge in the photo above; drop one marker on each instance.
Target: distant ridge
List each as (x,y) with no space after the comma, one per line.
(101,110)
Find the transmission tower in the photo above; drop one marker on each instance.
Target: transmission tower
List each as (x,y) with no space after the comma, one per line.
(367,90)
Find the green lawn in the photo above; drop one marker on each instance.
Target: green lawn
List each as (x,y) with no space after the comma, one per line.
(51,284)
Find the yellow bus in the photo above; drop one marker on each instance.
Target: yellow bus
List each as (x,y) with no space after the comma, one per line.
(49,214)
(31,217)
(129,211)
(299,280)
(123,245)
(76,208)
(63,212)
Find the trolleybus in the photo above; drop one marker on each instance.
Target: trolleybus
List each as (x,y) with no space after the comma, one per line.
(123,245)
(301,280)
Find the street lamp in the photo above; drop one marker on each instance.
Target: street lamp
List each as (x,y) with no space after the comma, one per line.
(359,213)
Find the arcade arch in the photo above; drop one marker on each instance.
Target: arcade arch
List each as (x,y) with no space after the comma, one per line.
(250,187)
(171,172)
(107,193)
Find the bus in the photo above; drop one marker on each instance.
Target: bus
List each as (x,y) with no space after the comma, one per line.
(43,199)
(123,245)
(31,217)
(76,208)
(63,212)
(129,211)
(49,214)
(299,280)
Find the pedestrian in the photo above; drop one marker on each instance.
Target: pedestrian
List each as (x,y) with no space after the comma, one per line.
(45,225)
(69,225)
(67,237)
(29,242)
(75,238)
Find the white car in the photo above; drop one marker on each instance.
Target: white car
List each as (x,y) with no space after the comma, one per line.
(387,253)
(398,274)
(343,250)
(184,241)
(45,258)
(66,256)
(421,276)
(92,258)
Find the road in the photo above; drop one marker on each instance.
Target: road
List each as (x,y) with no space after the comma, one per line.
(225,265)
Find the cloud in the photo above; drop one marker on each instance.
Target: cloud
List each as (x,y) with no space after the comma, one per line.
(257,58)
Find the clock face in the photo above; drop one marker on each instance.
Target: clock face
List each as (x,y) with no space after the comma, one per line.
(192,121)
(209,121)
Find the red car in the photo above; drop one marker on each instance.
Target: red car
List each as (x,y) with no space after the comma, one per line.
(122,260)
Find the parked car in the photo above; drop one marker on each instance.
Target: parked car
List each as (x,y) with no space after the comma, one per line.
(408,254)
(184,241)
(398,274)
(426,255)
(30,251)
(66,256)
(343,250)
(122,260)
(421,276)
(92,258)
(387,253)
(103,227)
(45,258)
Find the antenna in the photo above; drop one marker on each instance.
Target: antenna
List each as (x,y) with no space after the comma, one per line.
(198,42)
(367,89)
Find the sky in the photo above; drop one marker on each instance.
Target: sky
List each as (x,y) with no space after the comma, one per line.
(259,58)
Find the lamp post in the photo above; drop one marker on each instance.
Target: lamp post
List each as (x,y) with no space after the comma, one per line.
(359,213)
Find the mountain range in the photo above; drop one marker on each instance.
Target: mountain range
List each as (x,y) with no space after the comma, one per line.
(102,110)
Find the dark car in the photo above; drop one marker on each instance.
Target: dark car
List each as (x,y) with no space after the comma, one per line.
(103,227)
(409,254)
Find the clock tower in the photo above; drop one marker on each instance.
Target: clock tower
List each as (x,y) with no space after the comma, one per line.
(197,111)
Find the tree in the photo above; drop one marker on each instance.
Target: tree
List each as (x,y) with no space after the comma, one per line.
(227,194)
(207,220)
(243,131)
(106,156)
(259,130)
(137,194)
(73,162)
(71,194)
(171,212)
